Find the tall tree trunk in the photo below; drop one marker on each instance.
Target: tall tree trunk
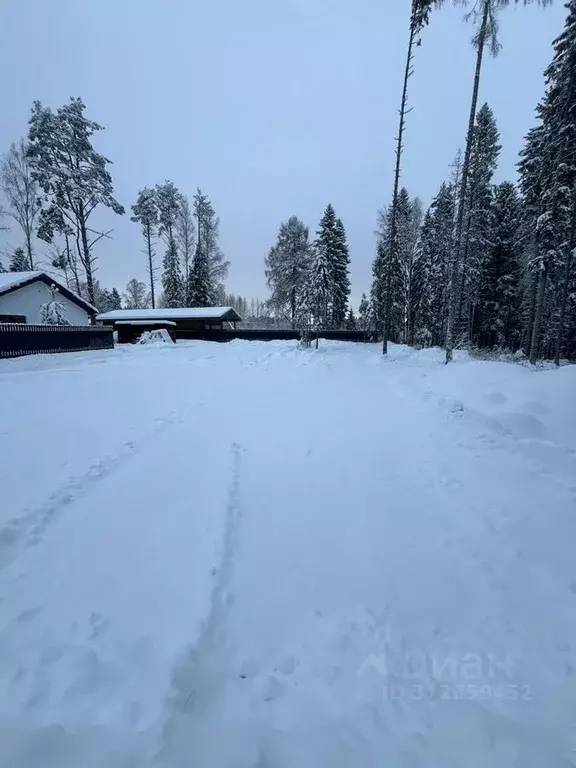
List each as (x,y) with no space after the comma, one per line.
(29,248)
(453,297)
(531,312)
(394,212)
(151,264)
(87,262)
(567,271)
(539,312)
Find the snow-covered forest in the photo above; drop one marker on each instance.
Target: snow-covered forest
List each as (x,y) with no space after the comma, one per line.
(484,265)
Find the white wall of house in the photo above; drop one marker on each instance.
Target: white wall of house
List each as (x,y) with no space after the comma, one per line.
(28,300)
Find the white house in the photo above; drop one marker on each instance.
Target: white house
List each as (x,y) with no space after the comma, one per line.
(22,295)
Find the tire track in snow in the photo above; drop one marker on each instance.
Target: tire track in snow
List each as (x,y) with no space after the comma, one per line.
(28,529)
(199,677)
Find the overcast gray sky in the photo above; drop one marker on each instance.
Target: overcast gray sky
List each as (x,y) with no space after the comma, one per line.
(272,108)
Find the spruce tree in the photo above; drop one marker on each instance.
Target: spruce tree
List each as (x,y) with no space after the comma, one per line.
(19,261)
(287,266)
(421,313)
(483,162)
(172,277)
(209,267)
(484,15)
(391,274)
(432,269)
(557,223)
(531,176)
(351,322)
(340,267)
(317,290)
(365,314)
(497,321)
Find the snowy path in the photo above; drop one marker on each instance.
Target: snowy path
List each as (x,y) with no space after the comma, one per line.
(252,555)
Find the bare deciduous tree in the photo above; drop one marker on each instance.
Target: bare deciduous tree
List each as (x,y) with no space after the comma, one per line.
(21,192)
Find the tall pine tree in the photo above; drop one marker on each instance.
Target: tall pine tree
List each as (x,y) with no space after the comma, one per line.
(145,212)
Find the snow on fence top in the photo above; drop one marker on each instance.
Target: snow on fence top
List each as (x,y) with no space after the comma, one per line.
(180,313)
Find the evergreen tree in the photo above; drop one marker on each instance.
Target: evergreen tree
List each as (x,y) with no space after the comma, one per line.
(109,300)
(72,176)
(553,258)
(351,323)
(419,18)
(483,162)
(185,236)
(393,273)
(317,290)
(377,291)
(54,311)
(287,266)
(19,261)
(145,212)
(432,269)
(209,268)
(413,231)
(172,277)
(531,186)
(168,201)
(484,15)
(497,319)
(340,268)
(365,314)
(421,312)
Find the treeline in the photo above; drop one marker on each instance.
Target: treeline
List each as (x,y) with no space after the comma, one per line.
(53,183)
(310,280)
(487,265)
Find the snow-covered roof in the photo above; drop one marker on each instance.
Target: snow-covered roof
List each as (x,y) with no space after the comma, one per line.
(144,322)
(13,279)
(181,313)
(10,281)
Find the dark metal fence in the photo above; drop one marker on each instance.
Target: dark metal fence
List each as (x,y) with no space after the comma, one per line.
(255,334)
(17,340)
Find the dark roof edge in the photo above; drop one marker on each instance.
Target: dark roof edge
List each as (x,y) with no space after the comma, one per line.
(48,280)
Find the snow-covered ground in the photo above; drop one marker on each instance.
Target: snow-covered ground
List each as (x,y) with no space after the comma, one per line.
(249,554)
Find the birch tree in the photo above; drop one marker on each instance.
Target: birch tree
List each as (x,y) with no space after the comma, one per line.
(21,193)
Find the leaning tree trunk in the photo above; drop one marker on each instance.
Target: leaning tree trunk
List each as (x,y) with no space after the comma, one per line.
(567,272)
(394,212)
(453,292)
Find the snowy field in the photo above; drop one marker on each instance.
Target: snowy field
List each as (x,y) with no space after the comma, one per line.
(251,555)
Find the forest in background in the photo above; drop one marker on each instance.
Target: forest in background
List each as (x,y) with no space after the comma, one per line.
(485,266)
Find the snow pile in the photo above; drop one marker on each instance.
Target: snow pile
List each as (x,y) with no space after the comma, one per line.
(306,559)
(160,336)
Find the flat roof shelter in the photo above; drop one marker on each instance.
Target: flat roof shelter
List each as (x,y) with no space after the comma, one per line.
(182,322)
